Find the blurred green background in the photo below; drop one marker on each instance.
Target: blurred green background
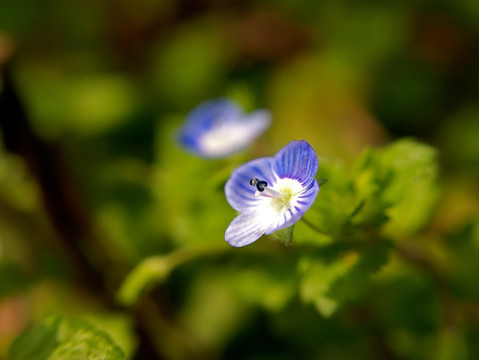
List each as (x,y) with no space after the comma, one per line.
(108,228)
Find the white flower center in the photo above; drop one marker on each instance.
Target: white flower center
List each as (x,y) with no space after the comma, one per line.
(227,137)
(283,194)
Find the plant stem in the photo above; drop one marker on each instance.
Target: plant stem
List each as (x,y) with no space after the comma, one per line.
(312,226)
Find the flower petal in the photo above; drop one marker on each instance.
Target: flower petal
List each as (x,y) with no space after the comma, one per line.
(239,193)
(306,199)
(205,115)
(232,136)
(219,128)
(258,121)
(297,160)
(248,227)
(203,118)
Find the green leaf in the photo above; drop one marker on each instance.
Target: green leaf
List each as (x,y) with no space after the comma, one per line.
(334,204)
(357,209)
(61,339)
(397,185)
(93,104)
(322,181)
(413,191)
(335,275)
(285,235)
(35,344)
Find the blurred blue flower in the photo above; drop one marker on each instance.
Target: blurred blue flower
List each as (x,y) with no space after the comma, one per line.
(219,128)
(271,193)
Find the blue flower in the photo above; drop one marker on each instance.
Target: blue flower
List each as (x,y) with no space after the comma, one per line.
(219,128)
(271,193)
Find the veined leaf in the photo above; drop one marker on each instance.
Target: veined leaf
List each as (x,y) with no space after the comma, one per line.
(61,339)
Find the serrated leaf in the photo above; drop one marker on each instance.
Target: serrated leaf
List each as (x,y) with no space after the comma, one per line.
(59,339)
(413,190)
(334,203)
(329,283)
(397,186)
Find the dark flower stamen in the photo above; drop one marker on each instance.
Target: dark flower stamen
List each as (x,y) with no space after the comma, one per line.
(260,184)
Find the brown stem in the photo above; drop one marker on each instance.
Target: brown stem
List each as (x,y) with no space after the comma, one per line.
(64,207)
(60,197)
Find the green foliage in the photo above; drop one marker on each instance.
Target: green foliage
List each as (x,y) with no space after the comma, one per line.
(336,275)
(285,235)
(13,279)
(192,61)
(155,270)
(398,187)
(92,105)
(59,338)
(36,344)
(198,194)
(390,193)
(322,181)
(332,219)
(382,266)
(151,271)
(392,188)
(458,136)
(462,265)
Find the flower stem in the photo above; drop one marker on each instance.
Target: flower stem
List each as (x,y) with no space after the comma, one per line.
(156,269)
(312,226)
